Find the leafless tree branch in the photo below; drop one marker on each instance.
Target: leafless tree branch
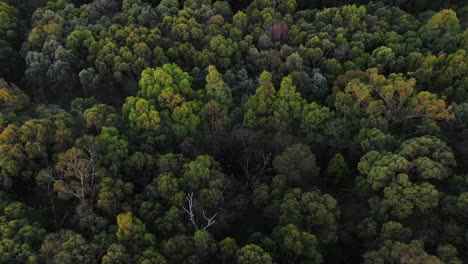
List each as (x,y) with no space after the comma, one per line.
(189,211)
(210,220)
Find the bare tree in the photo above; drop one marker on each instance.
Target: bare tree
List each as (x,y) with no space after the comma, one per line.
(190,210)
(75,174)
(255,158)
(209,220)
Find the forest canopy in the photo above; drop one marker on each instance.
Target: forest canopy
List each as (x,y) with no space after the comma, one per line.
(248,132)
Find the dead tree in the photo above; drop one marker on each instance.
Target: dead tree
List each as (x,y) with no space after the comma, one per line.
(209,220)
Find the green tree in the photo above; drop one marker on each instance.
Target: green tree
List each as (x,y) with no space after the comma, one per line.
(448,254)
(167,7)
(319,89)
(445,74)
(135,244)
(228,248)
(439,31)
(268,198)
(112,147)
(154,82)
(205,244)
(216,89)
(251,254)
(10,63)
(78,173)
(223,50)
(332,68)
(295,245)
(132,231)
(392,98)
(20,234)
(313,212)
(203,174)
(185,119)
(165,103)
(338,170)
(315,118)
(259,108)
(12,99)
(396,251)
(113,196)
(381,168)
(142,119)
(374,139)
(297,163)
(383,58)
(67,247)
(395,231)
(288,106)
(12,157)
(429,147)
(100,115)
(214,117)
(116,254)
(403,198)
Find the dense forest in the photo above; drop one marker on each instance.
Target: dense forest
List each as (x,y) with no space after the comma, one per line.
(240,131)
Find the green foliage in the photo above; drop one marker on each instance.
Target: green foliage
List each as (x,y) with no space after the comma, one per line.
(131,229)
(185,119)
(403,176)
(113,194)
(442,25)
(10,32)
(395,251)
(395,231)
(99,115)
(67,247)
(295,245)
(214,117)
(205,244)
(12,157)
(259,108)
(142,118)
(12,99)
(392,98)
(313,212)
(374,139)
(429,157)
(288,106)
(113,147)
(135,244)
(274,111)
(338,170)
(402,198)
(9,19)
(164,98)
(380,169)
(430,147)
(169,79)
(448,254)
(383,58)
(251,254)
(228,248)
(20,235)
(297,163)
(222,49)
(78,171)
(203,175)
(314,119)
(169,146)
(216,89)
